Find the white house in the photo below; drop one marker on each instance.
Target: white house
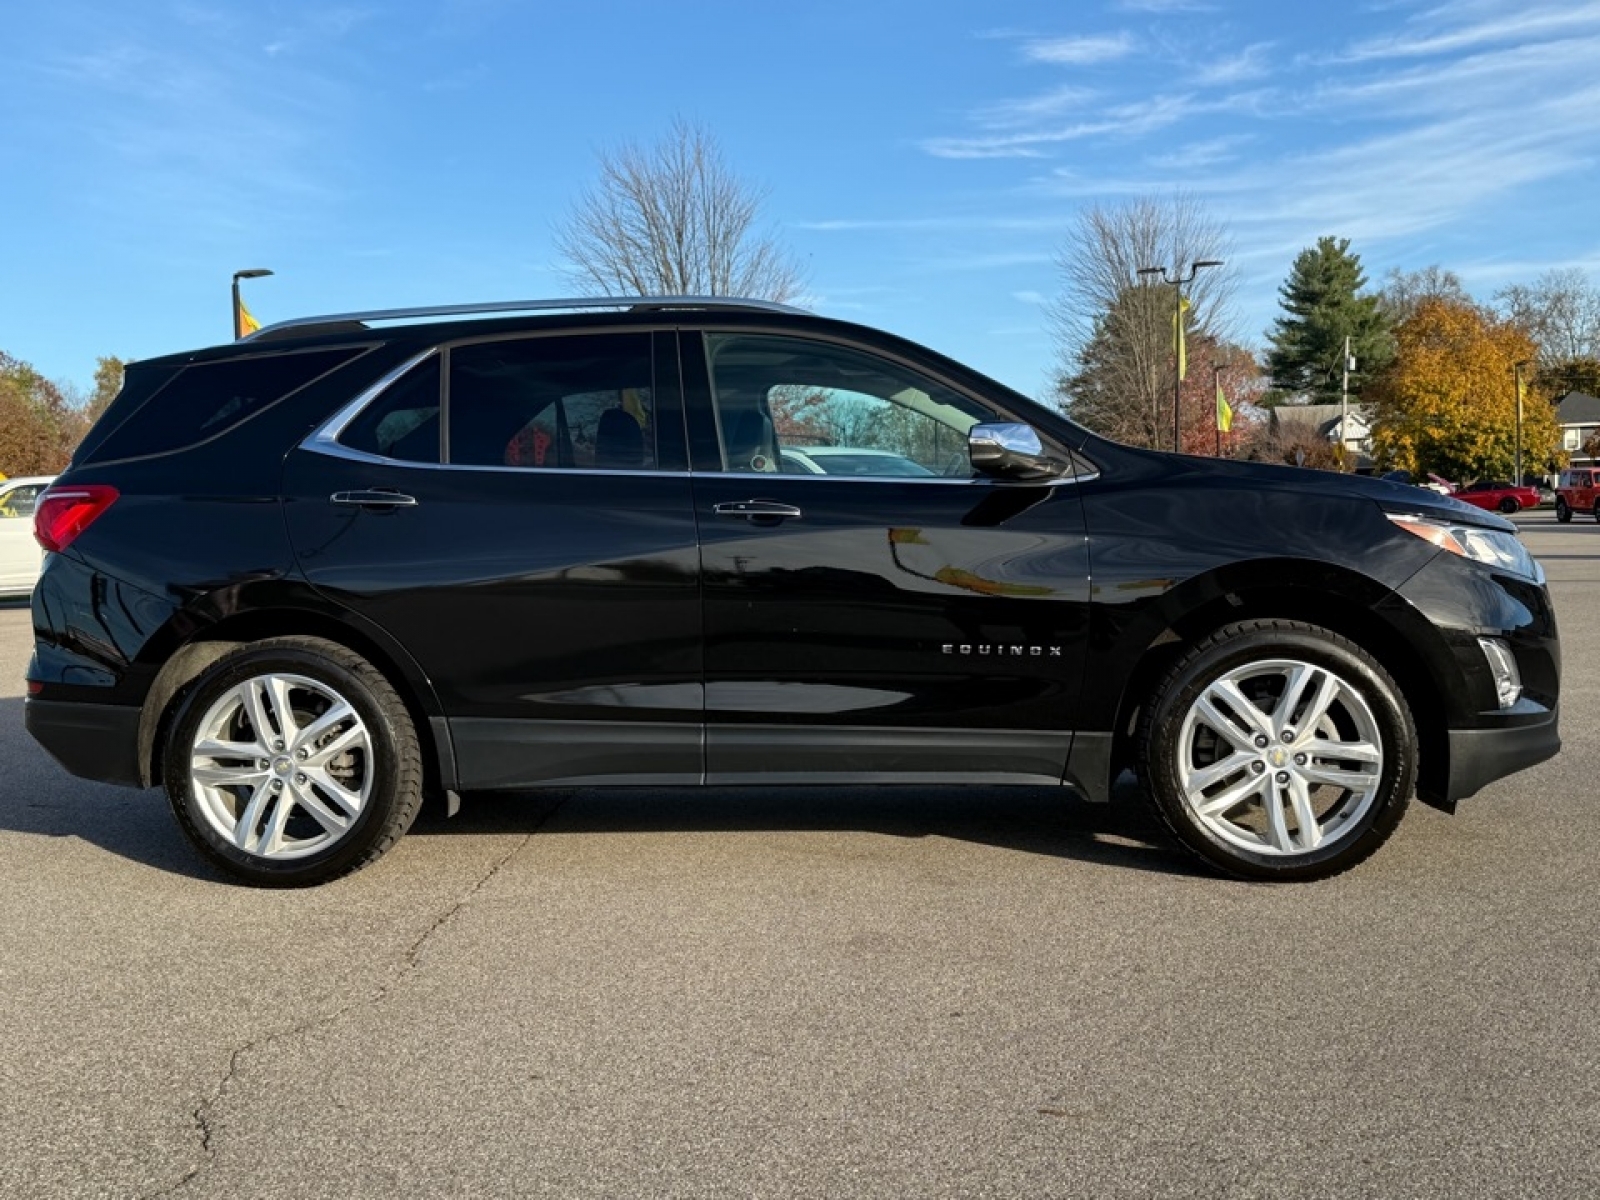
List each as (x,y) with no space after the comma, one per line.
(1579,416)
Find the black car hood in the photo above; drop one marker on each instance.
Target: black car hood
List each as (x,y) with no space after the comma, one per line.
(1391,496)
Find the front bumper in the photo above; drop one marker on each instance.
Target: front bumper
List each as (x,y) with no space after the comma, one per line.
(1478,757)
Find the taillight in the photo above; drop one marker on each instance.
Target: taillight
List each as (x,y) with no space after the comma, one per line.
(65,512)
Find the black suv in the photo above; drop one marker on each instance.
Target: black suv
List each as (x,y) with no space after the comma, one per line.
(305,579)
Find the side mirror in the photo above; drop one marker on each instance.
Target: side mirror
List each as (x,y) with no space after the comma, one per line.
(1010,451)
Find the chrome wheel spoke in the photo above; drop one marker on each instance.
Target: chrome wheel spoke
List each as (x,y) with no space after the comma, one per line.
(308,798)
(1208,777)
(349,802)
(1229,798)
(351,738)
(1277,826)
(1327,692)
(214,775)
(1241,706)
(1304,815)
(282,709)
(1300,677)
(1220,723)
(328,721)
(272,836)
(217,748)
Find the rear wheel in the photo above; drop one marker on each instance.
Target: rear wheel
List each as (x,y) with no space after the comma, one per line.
(291,762)
(1563,510)
(1278,750)
(1597,510)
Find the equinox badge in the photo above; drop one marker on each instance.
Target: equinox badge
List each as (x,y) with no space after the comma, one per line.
(1003,650)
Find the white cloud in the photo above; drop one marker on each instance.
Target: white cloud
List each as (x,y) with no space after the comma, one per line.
(1253,62)
(1079,51)
(1521,27)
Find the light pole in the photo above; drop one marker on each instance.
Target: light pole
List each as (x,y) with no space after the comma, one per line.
(1344,403)
(1516,370)
(1216,390)
(238,306)
(1177,279)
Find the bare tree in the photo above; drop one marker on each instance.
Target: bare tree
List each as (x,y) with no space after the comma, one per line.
(1114,327)
(674,220)
(1403,291)
(1561,310)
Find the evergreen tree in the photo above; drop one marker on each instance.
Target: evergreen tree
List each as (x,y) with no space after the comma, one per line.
(1323,304)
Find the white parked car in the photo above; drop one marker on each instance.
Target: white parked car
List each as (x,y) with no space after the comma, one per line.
(20,556)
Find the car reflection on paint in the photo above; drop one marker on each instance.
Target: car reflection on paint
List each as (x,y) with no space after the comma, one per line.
(847,460)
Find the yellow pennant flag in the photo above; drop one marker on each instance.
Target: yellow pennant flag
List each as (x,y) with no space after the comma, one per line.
(1178,323)
(247,323)
(1224,411)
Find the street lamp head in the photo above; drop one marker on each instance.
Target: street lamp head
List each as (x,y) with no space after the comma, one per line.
(252,273)
(1152,271)
(1208,262)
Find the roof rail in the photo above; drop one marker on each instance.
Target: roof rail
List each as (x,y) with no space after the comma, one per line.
(636,303)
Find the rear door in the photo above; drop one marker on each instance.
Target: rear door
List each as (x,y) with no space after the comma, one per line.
(515,512)
(899,620)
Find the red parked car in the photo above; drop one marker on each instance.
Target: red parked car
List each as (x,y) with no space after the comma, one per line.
(1505,497)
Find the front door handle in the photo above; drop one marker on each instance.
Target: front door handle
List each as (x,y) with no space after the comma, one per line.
(375,498)
(769,511)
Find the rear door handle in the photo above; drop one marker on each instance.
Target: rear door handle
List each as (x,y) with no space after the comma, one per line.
(375,498)
(756,510)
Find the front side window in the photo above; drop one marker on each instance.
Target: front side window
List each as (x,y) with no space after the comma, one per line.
(786,405)
(584,402)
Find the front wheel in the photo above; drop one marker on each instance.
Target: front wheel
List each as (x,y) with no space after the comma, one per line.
(291,762)
(1563,510)
(1509,506)
(1597,510)
(1278,750)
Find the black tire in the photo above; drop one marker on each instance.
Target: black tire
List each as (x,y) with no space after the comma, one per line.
(1366,710)
(1509,506)
(364,771)
(1597,510)
(1563,511)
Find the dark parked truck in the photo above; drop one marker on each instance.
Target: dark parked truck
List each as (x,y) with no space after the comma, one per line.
(304,579)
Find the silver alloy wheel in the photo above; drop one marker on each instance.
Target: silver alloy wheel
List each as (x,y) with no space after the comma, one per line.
(281,766)
(1280,757)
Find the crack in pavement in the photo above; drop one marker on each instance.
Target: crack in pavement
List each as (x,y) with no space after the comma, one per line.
(407,963)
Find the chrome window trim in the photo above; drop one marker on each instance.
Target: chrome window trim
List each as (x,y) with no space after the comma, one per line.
(326,436)
(334,449)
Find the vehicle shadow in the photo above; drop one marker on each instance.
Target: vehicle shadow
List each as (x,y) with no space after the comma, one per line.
(1032,820)
(43,800)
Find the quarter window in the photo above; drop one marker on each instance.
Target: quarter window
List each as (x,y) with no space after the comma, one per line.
(205,400)
(797,407)
(553,402)
(403,423)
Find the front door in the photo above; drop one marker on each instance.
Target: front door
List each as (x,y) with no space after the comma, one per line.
(873,611)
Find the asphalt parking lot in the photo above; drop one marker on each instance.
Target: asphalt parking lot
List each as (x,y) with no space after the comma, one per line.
(809,993)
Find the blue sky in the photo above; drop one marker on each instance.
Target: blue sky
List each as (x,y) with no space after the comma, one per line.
(923,159)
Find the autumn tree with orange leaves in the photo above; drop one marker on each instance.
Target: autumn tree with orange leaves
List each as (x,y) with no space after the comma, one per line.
(1447,402)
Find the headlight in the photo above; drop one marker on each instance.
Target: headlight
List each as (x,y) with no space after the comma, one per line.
(1489,546)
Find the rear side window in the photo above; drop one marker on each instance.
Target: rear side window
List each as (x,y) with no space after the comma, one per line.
(207,399)
(584,401)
